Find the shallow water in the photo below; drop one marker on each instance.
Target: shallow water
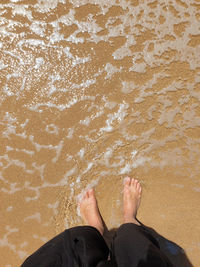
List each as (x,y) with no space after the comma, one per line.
(92,91)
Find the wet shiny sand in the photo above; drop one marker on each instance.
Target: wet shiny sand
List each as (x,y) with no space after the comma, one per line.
(92,91)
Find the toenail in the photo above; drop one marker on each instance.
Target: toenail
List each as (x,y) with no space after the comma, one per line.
(126,179)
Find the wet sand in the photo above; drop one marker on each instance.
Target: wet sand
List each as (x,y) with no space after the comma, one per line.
(93,91)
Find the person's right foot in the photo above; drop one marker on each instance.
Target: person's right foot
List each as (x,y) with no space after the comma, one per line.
(90,211)
(132,198)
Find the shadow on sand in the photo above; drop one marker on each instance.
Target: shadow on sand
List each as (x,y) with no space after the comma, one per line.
(175,253)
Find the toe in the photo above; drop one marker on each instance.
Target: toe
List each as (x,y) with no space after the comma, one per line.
(140,189)
(138,185)
(87,194)
(91,192)
(127,181)
(133,182)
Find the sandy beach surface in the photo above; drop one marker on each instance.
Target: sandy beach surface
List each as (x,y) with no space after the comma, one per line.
(93,91)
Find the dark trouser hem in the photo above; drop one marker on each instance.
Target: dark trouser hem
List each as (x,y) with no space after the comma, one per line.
(140,228)
(88,245)
(135,246)
(77,246)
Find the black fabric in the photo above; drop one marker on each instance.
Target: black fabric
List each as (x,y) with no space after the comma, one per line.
(78,246)
(134,246)
(89,246)
(83,246)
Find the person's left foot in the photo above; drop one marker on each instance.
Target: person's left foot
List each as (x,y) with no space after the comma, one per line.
(132,198)
(90,212)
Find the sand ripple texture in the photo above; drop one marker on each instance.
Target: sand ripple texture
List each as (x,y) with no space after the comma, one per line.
(92,91)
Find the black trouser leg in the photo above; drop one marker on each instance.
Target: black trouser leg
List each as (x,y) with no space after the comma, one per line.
(134,246)
(78,246)
(89,246)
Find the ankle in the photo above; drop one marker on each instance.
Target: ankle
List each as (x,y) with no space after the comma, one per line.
(129,219)
(129,215)
(100,229)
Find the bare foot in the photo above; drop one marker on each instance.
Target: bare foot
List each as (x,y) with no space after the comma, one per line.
(131,197)
(90,212)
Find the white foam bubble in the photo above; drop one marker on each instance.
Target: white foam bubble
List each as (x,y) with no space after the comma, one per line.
(168,116)
(36,216)
(125,169)
(67,174)
(70,133)
(78,179)
(121,52)
(39,61)
(197,189)
(13,189)
(23,244)
(81,153)
(110,69)
(140,161)
(22,254)
(21,10)
(38,27)
(2,65)
(46,6)
(54,207)
(80,60)
(86,121)
(52,129)
(34,42)
(16,56)
(134,153)
(127,87)
(139,67)
(89,166)
(119,116)
(108,128)
(109,104)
